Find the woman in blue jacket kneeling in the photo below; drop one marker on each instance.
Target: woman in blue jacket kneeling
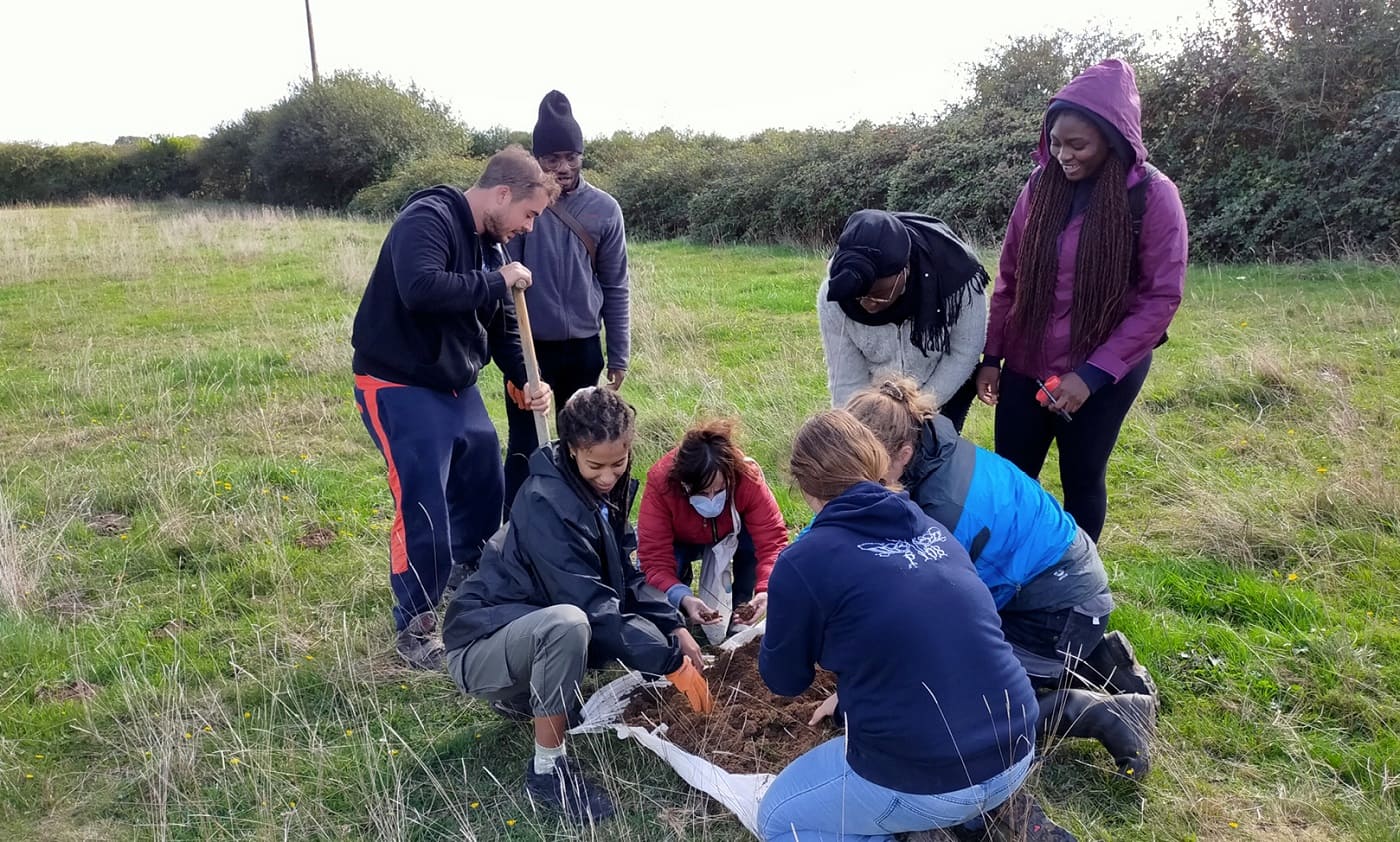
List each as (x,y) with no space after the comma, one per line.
(1043,571)
(940,718)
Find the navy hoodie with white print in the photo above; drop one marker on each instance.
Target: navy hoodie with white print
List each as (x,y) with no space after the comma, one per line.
(880,594)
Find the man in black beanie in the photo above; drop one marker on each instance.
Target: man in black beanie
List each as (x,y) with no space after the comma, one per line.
(577,254)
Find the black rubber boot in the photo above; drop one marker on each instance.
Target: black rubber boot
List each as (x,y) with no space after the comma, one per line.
(1113,665)
(1123,724)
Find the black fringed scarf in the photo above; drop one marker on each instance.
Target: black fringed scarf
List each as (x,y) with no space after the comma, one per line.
(933,303)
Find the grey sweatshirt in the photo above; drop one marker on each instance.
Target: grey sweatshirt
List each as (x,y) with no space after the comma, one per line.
(856,354)
(566,300)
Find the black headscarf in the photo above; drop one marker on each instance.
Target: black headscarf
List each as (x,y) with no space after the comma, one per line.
(944,275)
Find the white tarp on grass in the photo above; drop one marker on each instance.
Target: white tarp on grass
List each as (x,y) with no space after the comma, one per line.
(740,793)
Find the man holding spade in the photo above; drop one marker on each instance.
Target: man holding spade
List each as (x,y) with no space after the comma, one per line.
(434,312)
(578,254)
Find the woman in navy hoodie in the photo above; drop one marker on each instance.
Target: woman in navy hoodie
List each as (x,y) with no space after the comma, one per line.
(940,719)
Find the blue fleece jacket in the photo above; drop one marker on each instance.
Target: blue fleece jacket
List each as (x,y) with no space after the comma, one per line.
(433,313)
(880,594)
(1013,529)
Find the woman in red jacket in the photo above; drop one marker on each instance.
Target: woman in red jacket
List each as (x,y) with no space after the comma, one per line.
(692,497)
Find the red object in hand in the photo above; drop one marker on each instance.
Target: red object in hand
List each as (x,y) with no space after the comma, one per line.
(517,395)
(1051,384)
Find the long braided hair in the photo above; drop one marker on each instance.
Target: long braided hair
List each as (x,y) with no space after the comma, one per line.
(1102,270)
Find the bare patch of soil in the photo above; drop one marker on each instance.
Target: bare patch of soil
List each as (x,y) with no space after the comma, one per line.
(109,523)
(171,629)
(70,606)
(316,538)
(73,691)
(750,730)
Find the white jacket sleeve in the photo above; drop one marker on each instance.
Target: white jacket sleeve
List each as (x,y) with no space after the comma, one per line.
(965,337)
(847,370)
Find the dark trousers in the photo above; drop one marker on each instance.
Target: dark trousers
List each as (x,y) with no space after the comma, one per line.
(444,464)
(1024,430)
(1044,641)
(567,366)
(745,565)
(955,408)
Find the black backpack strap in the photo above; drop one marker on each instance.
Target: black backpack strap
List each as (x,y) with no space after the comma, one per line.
(1137,201)
(1137,208)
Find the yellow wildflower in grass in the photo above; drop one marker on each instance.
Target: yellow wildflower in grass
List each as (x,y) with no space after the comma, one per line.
(189,736)
(349,731)
(475,805)
(28,776)
(292,804)
(247,714)
(309,657)
(208,729)
(510,822)
(1292,577)
(38,757)
(234,761)
(1321,469)
(1244,324)
(1234,825)
(393,752)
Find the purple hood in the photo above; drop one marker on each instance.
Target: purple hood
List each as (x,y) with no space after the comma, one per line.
(1109,89)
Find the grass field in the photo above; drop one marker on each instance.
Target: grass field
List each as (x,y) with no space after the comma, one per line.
(194,633)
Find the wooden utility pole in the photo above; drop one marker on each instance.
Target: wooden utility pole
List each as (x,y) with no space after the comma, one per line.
(311,39)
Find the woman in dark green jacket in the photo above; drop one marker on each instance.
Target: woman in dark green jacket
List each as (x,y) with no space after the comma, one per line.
(558,592)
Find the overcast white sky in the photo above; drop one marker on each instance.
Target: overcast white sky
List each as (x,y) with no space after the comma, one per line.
(78,70)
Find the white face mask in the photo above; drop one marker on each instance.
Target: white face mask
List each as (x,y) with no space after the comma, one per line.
(708,507)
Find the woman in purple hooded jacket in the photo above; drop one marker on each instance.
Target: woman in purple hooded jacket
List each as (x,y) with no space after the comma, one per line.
(1091,274)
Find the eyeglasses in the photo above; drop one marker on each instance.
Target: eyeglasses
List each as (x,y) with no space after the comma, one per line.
(554,160)
(896,291)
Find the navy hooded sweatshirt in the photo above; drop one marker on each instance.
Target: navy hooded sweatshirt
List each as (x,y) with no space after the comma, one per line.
(433,313)
(880,594)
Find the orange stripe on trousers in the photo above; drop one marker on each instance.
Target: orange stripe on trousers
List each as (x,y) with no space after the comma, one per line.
(398,544)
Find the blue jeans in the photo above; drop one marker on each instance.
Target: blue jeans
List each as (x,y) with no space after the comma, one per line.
(819,799)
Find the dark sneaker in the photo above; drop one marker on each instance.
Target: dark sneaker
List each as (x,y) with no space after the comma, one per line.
(419,644)
(455,579)
(566,791)
(1021,819)
(1118,669)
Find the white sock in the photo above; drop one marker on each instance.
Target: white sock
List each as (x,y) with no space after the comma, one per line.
(545,758)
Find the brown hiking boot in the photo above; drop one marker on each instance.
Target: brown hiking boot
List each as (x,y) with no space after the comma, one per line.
(419,644)
(1021,819)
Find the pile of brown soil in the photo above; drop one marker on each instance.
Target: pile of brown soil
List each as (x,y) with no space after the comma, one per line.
(750,730)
